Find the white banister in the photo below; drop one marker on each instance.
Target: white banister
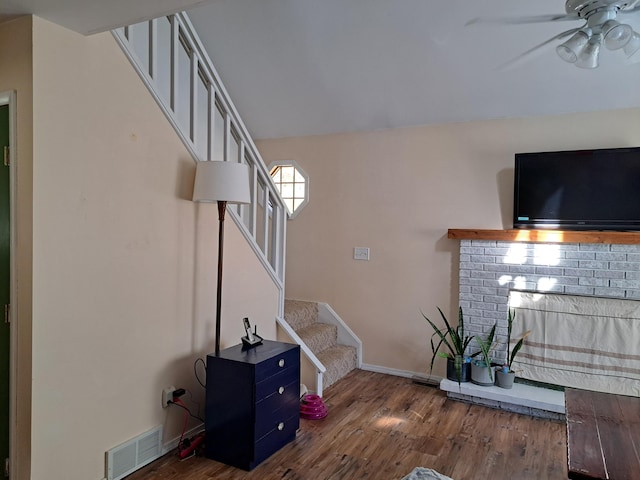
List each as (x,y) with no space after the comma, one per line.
(170,59)
(346,336)
(306,351)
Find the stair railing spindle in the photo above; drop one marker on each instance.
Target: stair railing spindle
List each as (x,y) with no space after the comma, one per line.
(267,235)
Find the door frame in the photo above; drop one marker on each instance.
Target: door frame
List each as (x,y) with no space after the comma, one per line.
(10,98)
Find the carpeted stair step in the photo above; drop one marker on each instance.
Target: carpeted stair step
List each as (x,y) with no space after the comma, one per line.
(300,314)
(319,336)
(338,361)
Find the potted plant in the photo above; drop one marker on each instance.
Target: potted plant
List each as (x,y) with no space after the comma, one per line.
(481,369)
(505,376)
(456,342)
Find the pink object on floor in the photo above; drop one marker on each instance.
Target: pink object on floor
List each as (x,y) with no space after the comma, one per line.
(312,407)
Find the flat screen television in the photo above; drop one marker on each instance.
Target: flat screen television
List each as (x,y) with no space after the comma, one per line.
(578,190)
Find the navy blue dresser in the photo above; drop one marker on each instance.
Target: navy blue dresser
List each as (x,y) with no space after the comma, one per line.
(252,402)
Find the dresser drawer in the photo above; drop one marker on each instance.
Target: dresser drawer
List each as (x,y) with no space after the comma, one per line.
(278,363)
(283,433)
(274,383)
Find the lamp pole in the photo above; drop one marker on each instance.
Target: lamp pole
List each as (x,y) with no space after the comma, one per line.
(222,208)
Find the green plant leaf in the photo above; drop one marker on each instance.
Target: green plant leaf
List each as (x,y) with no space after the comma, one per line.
(485,347)
(517,348)
(452,339)
(441,335)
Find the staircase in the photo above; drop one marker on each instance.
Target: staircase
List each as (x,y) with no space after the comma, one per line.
(171,61)
(322,339)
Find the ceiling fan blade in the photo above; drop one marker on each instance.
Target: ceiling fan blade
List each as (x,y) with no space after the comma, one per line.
(519,59)
(627,11)
(560,17)
(632,7)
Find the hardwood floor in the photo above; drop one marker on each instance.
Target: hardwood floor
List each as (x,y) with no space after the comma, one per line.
(381,427)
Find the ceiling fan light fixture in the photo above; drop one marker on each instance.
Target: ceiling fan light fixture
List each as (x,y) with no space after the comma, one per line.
(588,58)
(616,35)
(632,45)
(569,50)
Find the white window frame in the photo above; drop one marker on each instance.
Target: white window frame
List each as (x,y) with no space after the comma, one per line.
(300,170)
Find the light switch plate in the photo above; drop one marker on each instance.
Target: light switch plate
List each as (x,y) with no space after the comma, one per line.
(361,253)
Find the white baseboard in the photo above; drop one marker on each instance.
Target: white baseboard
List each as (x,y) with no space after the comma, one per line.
(171,444)
(421,376)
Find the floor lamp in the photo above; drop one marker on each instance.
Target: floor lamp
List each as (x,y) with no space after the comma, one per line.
(222,182)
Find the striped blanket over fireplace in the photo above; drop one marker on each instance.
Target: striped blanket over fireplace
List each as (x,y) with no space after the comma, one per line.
(583,342)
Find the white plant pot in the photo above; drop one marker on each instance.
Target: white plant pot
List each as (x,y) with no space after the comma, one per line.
(481,374)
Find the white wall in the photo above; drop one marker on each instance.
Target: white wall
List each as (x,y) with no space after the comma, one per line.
(123,262)
(397,192)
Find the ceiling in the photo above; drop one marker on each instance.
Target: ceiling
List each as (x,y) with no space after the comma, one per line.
(92,16)
(300,67)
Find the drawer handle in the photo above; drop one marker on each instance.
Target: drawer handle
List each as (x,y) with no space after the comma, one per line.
(281,362)
(281,390)
(281,426)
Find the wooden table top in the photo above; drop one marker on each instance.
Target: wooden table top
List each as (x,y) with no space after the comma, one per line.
(603,435)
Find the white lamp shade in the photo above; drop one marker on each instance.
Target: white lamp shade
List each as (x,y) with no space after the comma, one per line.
(570,49)
(616,35)
(588,58)
(633,45)
(221,181)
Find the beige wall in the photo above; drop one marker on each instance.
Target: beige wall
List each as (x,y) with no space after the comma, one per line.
(123,262)
(397,192)
(15,75)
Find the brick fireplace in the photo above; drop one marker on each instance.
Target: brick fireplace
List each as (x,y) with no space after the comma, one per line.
(490,269)
(495,262)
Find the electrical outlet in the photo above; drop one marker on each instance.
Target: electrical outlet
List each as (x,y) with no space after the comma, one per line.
(167,396)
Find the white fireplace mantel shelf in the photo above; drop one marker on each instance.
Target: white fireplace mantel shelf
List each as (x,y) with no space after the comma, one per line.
(547,236)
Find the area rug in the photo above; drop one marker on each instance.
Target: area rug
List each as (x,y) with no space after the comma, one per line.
(420,473)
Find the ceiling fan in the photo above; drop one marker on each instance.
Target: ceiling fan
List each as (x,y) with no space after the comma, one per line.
(600,27)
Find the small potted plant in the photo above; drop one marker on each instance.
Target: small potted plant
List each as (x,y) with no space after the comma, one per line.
(456,341)
(481,368)
(505,375)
